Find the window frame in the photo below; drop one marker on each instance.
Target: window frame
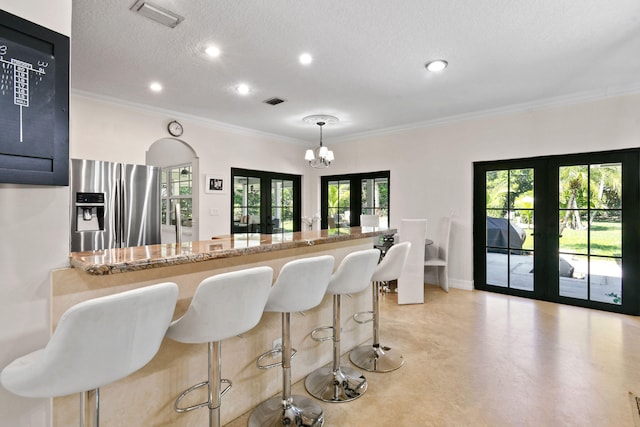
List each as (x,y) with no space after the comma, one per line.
(355,196)
(266,225)
(547,226)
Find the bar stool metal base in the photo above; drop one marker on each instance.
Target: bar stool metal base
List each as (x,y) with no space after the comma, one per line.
(376,358)
(301,412)
(343,385)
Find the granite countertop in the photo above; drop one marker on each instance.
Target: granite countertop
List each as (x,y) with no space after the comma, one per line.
(122,260)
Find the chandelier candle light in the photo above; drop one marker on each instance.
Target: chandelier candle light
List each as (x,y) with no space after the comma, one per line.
(320,157)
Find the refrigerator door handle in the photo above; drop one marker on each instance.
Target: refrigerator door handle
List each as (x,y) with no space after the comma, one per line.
(178,225)
(117,226)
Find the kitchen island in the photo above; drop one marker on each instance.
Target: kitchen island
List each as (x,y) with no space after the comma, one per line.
(146,397)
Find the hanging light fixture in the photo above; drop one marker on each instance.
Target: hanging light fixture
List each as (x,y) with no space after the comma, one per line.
(319,157)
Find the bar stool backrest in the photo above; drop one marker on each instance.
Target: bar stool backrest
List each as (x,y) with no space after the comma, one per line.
(301,284)
(96,342)
(393,262)
(223,306)
(354,272)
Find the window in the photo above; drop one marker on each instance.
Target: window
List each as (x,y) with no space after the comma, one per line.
(265,202)
(177,187)
(345,197)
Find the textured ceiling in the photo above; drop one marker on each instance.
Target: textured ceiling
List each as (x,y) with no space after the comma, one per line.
(369,58)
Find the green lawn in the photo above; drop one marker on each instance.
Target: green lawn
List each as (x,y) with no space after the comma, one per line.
(606,239)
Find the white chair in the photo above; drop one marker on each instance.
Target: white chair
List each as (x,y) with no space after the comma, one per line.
(223,306)
(377,358)
(300,286)
(438,253)
(334,383)
(369,221)
(95,343)
(411,280)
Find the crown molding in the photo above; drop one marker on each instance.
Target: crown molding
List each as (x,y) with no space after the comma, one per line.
(491,112)
(178,115)
(540,104)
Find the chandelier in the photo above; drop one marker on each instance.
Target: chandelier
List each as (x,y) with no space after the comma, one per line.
(319,157)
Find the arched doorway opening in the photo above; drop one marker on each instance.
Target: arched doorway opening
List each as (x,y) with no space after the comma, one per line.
(180,165)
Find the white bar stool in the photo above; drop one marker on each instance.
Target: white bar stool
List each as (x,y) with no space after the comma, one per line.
(334,383)
(377,358)
(223,306)
(96,342)
(300,286)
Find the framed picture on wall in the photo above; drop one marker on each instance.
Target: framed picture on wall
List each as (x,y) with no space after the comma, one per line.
(34,100)
(215,184)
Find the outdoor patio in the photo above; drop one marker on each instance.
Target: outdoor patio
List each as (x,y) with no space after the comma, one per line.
(606,276)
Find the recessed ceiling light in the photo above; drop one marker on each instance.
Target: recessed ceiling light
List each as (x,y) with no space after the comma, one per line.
(212,51)
(437,65)
(243,89)
(305,59)
(155,86)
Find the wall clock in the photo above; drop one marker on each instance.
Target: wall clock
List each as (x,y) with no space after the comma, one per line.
(175,128)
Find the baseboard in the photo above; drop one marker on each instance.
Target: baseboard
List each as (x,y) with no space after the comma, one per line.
(467,285)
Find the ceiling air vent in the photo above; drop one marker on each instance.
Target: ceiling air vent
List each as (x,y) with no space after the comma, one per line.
(157,13)
(273,101)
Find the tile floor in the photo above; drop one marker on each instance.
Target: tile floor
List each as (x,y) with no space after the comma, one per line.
(475,358)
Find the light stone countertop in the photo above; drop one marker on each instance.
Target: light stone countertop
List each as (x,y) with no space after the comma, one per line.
(122,260)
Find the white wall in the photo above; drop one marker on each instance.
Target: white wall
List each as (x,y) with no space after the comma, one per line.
(432,168)
(34,225)
(107,130)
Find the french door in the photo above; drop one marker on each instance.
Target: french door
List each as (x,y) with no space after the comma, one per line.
(560,228)
(265,202)
(343,198)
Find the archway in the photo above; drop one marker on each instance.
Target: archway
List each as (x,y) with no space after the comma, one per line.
(180,166)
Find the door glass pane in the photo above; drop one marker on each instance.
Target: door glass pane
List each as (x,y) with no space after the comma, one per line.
(497,188)
(521,188)
(574,234)
(521,270)
(606,280)
(606,188)
(573,273)
(185,211)
(497,269)
(238,212)
(606,233)
(523,226)
(574,182)
(339,193)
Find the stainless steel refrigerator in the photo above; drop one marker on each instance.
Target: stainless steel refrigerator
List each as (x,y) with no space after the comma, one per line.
(113,205)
